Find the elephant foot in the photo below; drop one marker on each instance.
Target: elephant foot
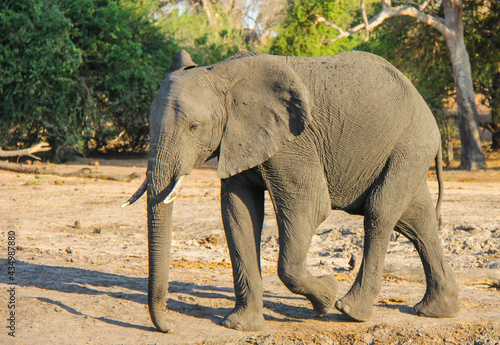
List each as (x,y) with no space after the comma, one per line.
(354,308)
(443,303)
(323,302)
(244,319)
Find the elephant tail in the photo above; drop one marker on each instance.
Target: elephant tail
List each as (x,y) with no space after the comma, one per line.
(439,174)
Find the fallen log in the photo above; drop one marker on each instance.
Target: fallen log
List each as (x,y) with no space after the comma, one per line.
(47,170)
(40,147)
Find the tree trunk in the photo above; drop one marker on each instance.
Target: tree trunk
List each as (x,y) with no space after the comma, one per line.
(47,170)
(495,110)
(449,151)
(472,157)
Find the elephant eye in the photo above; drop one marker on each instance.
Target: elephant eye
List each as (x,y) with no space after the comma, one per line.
(194,126)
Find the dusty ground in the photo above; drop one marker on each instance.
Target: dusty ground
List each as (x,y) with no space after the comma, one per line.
(81,267)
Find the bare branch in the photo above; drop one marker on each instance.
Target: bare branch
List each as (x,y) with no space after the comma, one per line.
(424,5)
(365,20)
(388,12)
(41,147)
(207,6)
(84,172)
(334,26)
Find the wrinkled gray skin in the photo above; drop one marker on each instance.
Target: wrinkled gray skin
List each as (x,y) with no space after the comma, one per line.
(345,132)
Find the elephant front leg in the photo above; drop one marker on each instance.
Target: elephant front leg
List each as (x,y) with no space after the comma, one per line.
(301,202)
(293,272)
(242,208)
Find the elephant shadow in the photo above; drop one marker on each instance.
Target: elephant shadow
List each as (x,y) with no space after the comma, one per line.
(183,299)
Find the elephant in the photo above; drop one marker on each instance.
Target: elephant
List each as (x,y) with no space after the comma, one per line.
(343,132)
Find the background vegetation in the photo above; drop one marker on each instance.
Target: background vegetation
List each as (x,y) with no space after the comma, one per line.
(81,74)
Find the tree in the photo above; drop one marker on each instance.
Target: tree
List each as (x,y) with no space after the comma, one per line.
(207,43)
(483,41)
(450,26)
(254,20)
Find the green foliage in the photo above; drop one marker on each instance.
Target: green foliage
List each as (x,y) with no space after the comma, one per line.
(37,60)
(77,73)
(302,35)
(81,74)
(206,43)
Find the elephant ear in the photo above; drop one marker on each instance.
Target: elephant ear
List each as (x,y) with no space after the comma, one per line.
(182,61)
(267,107)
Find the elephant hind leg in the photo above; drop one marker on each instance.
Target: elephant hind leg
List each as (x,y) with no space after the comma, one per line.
(419,224)
(386,202)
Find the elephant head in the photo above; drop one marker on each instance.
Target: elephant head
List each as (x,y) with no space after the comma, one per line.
(241,110)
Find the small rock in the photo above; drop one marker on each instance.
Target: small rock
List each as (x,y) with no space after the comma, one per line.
(352,262)
(494,265)
(77,224)
(212,239)
(394,236)
(69,250)
(97,231)
(209,240)
(271,241)
(449,340)
(368,338)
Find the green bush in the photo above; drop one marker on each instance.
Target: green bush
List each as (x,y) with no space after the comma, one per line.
(78,73)
(206,43)
(302,35)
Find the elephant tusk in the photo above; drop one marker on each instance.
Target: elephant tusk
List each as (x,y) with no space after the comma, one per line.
(142,189)
(175,191)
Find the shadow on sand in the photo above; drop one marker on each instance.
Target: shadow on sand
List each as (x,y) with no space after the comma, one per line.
(90,282)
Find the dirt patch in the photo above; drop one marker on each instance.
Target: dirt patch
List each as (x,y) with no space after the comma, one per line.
(81,266)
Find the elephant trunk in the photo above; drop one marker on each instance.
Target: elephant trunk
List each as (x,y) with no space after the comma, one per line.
(159,234)
(164,184)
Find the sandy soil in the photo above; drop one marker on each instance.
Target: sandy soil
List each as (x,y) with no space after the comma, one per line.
(81,267)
